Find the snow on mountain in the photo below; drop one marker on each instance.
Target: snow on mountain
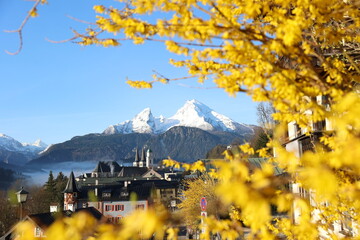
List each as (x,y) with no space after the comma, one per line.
(37,146)
(192,114)
(10,144)
(45,149)
(144,122)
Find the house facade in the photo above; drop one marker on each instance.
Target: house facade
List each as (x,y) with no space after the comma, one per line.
(115,199)
(42,221)
(298,141)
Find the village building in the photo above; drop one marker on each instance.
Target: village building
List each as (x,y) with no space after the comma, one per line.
(43,221)
(111,192)
(111,188)
(298,141)
(115,200)
(143,168)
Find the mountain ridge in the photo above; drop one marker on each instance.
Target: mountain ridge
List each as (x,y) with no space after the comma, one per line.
(181,143)
(192,114)
(14,152)
(186,136)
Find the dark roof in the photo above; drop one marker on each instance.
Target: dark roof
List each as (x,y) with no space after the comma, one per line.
(43,220)
(107,167)
(117,192)
(22,191)
(99,168)
(91,211)
(132,171)
(71,184)
(162,171)
(258,162)
(164,184)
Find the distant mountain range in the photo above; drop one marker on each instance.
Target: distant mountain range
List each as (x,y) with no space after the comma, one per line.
(14,152)
(192,114)
(186,136)
(180,143)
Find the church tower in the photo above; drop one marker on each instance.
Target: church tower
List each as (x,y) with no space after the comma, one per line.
(136,160)
(143,158)
(71,194)
(149,158)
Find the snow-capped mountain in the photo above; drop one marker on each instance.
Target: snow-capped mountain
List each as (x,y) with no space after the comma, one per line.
(12,151)
(9,143)
(192,114)
(37,146)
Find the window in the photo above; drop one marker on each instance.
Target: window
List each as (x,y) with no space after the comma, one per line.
(119,207)
(297,130)
(140,206)
(37,232)
(108,208)
(71,207)
(319,126)
(107,194)
(115,219)
(124,194)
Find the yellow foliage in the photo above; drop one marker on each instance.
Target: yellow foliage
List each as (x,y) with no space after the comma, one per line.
(281,51)
(195,189)
(33,13)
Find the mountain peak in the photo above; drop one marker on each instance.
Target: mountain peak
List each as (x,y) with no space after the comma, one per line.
(143,122)
(146,113)
(192,114)
(39,143)
(9,143)
(194,103)
(2,135)
(19,153)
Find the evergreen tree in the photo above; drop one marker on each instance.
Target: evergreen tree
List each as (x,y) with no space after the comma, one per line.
(50,188)
(60,182)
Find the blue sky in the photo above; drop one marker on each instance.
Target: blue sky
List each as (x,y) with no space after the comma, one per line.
(54,92)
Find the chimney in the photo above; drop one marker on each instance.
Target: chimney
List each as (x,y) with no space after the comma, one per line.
(126,183)
(96,189)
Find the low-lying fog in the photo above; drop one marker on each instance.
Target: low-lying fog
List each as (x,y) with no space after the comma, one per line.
(41,176)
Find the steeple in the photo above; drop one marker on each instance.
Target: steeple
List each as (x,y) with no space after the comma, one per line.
(71,185)
(143,158)
(71,194)
(136,160)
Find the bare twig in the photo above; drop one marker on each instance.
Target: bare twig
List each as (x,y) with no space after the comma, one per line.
(188,86)
(76,36)
(62,41)
(185,43)
(174,79)
(79,20)
(19,30)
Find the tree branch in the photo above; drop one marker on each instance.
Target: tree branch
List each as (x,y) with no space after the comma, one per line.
(20,29)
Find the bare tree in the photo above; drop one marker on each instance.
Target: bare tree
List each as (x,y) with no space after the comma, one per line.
(265,119)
